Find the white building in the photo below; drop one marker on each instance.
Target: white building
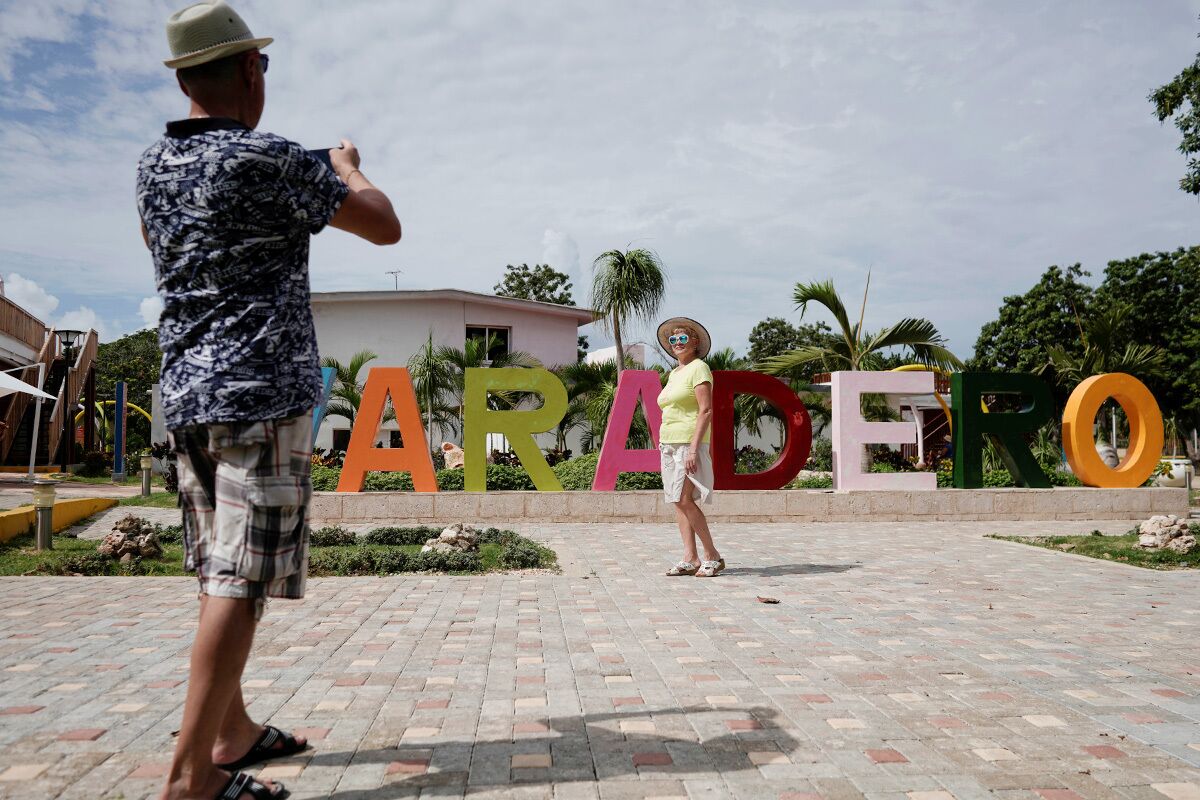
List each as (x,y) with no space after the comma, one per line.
(636,351)
(396,324)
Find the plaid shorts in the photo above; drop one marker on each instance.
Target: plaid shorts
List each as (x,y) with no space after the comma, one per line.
(244,488)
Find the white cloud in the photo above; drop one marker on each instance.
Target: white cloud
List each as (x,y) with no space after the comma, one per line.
(956,148)
(150,309)
(561,251)
(30,296)
(85,319)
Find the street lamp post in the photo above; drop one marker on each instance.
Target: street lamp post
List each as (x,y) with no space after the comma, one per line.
(68,339)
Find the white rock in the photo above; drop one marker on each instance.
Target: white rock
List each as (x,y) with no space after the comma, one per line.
(1182,544)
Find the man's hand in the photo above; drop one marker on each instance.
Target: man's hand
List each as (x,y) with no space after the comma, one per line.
(366,211)
(345,159)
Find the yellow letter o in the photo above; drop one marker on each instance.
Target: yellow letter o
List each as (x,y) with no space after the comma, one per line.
(1145,431)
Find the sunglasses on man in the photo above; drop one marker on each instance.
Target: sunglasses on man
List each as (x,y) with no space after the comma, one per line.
(681,338)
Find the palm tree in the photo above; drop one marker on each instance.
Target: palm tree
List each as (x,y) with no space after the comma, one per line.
(858,349)
(433,382)
(473,355)
(346,395)
(626,287)
(1102,337)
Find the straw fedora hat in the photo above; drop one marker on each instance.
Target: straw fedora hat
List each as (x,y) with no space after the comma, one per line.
(207,31)
(703,340)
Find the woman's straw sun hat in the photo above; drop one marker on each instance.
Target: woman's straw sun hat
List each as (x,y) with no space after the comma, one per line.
(703,340)
(207,31)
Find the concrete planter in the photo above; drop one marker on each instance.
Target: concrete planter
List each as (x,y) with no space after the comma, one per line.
(330,508)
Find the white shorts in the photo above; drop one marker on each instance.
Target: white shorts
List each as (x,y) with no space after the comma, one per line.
(674,472)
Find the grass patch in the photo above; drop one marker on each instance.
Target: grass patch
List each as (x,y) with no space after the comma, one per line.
(1122,548)
(384,551)
(155,500)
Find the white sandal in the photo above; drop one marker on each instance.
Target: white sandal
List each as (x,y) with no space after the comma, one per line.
(683,568)
(710,569)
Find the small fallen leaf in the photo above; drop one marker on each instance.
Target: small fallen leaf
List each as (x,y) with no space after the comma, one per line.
(762,599)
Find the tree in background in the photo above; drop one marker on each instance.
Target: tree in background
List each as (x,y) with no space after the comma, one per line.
(855,348)
(434,384)
(627,287)
(136,360)
(346,395)
(1162,291)
(539,282)
(1048,315)
(1181,99)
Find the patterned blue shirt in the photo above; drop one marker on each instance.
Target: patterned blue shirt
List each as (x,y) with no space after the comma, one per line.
(229,212)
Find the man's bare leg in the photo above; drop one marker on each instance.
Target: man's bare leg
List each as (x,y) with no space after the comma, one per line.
(218,656)
(238,732)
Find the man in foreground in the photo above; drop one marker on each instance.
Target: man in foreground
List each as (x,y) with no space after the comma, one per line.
(227,213)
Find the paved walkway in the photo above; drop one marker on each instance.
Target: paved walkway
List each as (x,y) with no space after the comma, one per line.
(901,662)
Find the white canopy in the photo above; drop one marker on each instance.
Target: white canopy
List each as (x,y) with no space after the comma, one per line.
(10,385)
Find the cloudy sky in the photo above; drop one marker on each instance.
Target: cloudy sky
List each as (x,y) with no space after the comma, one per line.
(953,147)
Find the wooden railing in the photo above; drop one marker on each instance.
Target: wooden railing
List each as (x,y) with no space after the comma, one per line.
(20,324)
(68,396)
(18,402)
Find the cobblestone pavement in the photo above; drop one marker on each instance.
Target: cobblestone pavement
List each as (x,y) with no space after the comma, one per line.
(902,661)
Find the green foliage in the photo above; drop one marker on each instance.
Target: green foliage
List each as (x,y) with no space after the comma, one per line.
(774,336)
(1180,98)
(136,360)
(627,287)
(1113,548)
(540,282)
(1161,289)
(751,459)
(396,536)
(1029,324)
(331,536)
(388,482)
(579,473)
(853,348)
(325,479)
(155,500)
(525,554)
(812,482)
(820,457)
(346,394)
(168,534)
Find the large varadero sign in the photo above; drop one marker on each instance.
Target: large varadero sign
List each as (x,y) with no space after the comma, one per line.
(971,423)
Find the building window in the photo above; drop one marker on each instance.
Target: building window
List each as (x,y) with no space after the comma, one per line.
(498,336)
(341,439)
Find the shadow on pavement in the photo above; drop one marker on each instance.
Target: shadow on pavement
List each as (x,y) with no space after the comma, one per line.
(789,569)
(581,749)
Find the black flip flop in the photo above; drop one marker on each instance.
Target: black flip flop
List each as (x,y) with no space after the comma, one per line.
(265,750)
(241,783)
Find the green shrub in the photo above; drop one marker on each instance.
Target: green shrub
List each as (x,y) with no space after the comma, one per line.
(882,466)
(325,479)
(820,457)
(331,536)
(577,474)
(450,480)
(390,562)
(169,534)
(395,536)
(497,536)
(388,482)
(501,477)
(630,481)
(812,482)
(751,459)
(523,554)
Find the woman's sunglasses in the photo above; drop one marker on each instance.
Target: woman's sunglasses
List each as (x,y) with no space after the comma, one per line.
(681,338)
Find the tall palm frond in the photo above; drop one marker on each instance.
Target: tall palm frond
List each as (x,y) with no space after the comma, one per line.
(434,383)
(627,287)
(346,394)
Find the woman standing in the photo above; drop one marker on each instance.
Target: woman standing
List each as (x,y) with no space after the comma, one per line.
(687,475)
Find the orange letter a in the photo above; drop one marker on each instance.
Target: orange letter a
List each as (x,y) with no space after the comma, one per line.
(362,458)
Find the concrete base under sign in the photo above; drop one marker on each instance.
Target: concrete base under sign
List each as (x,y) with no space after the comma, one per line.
(329,508)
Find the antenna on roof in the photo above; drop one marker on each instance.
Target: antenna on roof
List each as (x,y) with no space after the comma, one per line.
(396,273)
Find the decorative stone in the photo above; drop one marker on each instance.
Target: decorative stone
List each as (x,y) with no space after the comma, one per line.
(453,454)
(458,538)
(1166,531)
(132,537)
